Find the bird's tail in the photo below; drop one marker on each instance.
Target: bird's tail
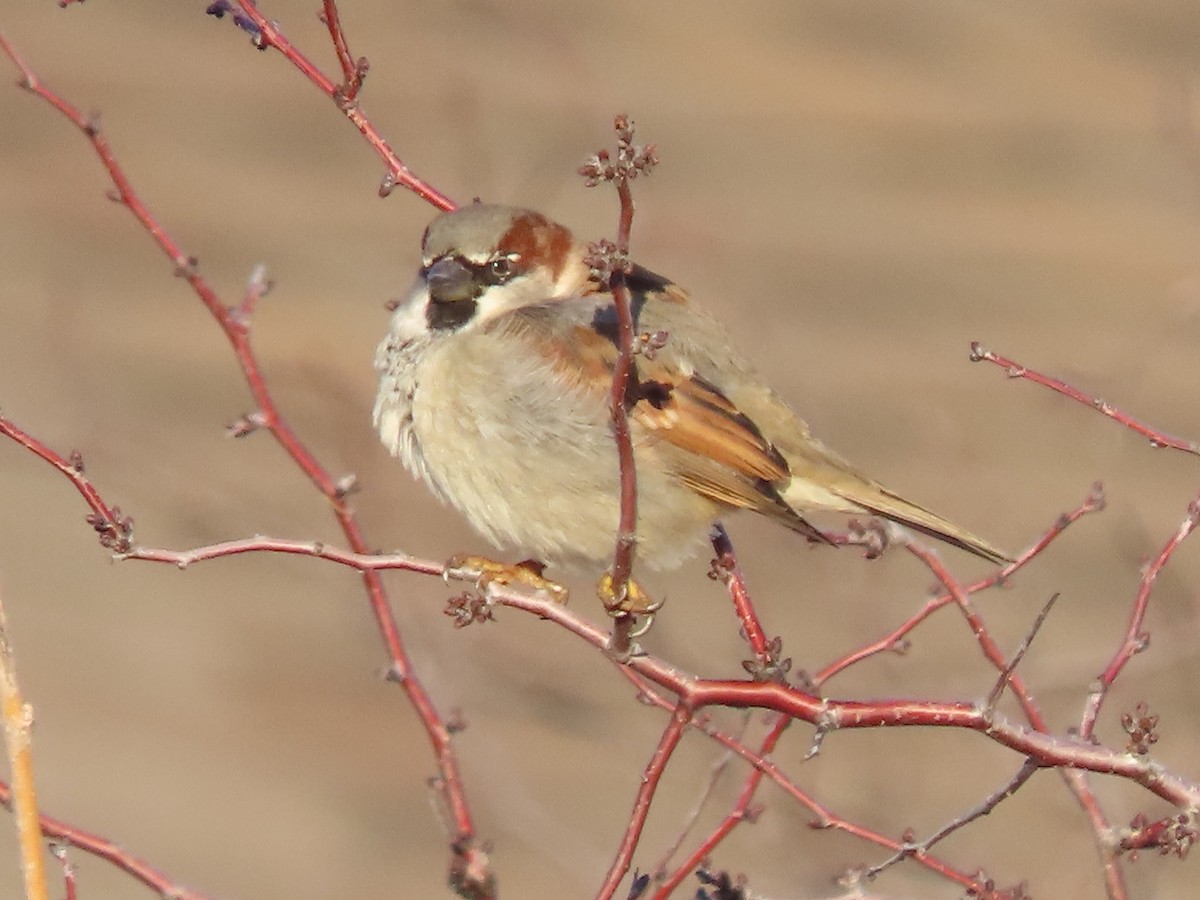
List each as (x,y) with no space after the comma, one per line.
(880,501)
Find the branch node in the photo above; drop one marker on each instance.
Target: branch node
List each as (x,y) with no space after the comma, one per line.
(115,530)
(185,266)
(247,424)
(346,485)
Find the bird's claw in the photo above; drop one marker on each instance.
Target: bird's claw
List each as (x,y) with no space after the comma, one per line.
(632,601)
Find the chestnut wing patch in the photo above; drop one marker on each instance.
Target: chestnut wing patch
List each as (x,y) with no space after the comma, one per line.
(723,454)
(715,448)
(696,417)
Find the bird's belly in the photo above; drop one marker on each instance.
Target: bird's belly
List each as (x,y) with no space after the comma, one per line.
(532,464)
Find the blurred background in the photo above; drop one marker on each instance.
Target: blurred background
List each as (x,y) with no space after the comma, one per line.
(858,190)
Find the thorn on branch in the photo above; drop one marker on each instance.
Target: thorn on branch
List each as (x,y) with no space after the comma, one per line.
(185,267)
(346,485)
(258,285)
(92,126)
(247,424)
(824,726)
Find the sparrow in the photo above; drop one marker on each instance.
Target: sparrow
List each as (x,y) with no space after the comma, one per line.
(494,385)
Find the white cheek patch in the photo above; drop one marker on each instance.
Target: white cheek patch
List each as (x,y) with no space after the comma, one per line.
(409,321)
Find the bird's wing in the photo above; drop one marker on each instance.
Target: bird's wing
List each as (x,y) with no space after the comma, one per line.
(702,435)
(725,434)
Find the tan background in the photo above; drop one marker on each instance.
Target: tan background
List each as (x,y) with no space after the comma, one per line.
(860,190)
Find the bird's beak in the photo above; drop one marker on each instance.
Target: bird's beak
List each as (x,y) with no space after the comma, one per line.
(450,281)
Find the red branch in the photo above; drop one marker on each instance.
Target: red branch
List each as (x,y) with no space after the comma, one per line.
(470,873)
(1136,639)
(110,852)
(1075,781)
(610,264)
(696,694)
(825,818)
(726,568)
(653,773)
(895,639)
(741,812)
(235,326)
(353,71)
(1016,370)
(268,34)
(622,375)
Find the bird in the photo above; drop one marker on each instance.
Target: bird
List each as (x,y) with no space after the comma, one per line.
(494,389)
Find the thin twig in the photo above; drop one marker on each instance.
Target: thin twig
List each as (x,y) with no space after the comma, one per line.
(268,34)
(1075,780)
(715,774)
(1135,639)
(726,569)
(998,689)
(107,850)
(742,811)
(611,264)
(645,796)
(236,328)
(1013,369)
(919,849)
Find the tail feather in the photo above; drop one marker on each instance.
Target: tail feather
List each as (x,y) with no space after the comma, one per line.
(881,502)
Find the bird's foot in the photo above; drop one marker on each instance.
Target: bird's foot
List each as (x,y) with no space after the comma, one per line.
(484,572)
(632,601)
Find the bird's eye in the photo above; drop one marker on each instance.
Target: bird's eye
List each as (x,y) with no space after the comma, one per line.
(501,269)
